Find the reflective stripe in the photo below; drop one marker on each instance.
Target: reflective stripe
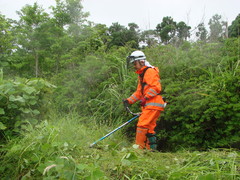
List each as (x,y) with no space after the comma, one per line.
(151,94)
(155,104)
(133,98)
(153,91)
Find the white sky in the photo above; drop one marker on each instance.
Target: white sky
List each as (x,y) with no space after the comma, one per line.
(145,13)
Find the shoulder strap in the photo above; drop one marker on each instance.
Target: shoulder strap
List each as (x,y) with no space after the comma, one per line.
(141,76)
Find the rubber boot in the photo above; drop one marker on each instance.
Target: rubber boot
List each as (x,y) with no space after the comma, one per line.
(152,141)
(141,138)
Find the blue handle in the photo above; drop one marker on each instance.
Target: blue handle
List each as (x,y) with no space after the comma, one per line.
(114,131)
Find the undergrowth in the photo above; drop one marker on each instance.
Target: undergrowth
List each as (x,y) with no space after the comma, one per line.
(58,148)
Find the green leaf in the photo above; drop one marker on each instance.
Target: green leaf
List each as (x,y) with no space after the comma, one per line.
(81,167)
(97,174)
(12,106)
(32,102)
(33,121)
(25,110)
(26,96)
(2,111)
(36,112)
(2,126)
(16,98)
(29,90)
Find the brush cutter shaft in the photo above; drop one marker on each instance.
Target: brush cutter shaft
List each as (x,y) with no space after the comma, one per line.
(114,130)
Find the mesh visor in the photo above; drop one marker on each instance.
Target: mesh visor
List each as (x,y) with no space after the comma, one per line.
(131,59)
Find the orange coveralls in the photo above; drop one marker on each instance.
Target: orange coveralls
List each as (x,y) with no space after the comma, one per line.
(154,104)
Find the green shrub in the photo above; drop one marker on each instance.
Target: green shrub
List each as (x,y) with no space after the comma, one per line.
(22,102)
(203,97)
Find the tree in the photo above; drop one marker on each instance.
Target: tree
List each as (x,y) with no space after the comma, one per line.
(61,42)
(6,39)
(183,31)
(92,38)
(120,35)
(149,37)
(202,32)
(31,33)
(116,32)
(133,34)
(46,39)
(60,13)
(77,16)
(166,29)
(234,28)
(75,10)
(101,32)
(216,28)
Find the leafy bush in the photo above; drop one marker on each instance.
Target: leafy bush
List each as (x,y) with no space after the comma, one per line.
(96,86)
(21,101)
(203,94)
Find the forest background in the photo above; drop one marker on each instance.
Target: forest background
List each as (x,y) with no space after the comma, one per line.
(58,70)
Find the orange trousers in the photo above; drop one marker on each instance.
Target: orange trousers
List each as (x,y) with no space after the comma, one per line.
(148,119)
(146,124)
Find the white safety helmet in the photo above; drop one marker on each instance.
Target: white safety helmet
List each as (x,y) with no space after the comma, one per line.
(135,56)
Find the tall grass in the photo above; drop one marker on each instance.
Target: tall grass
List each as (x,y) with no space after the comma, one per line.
(58,148)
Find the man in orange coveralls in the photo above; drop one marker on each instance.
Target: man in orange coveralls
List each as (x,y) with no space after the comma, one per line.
(148,93)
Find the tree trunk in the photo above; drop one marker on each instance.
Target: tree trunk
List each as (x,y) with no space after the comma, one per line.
(36,65)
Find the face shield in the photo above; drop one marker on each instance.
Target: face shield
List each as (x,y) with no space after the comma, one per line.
(132,59)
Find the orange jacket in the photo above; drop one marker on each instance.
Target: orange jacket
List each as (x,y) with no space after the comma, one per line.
(151,90)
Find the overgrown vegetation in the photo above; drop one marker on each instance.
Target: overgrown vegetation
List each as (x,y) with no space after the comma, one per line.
(59,149)
(62,81)
(20,103)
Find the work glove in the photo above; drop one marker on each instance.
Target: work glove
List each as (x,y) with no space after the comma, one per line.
(143,101)
(125,103)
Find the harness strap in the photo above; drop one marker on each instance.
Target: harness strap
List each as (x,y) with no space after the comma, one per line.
(143,84)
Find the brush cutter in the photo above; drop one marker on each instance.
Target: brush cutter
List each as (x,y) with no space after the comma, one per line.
(128,110)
